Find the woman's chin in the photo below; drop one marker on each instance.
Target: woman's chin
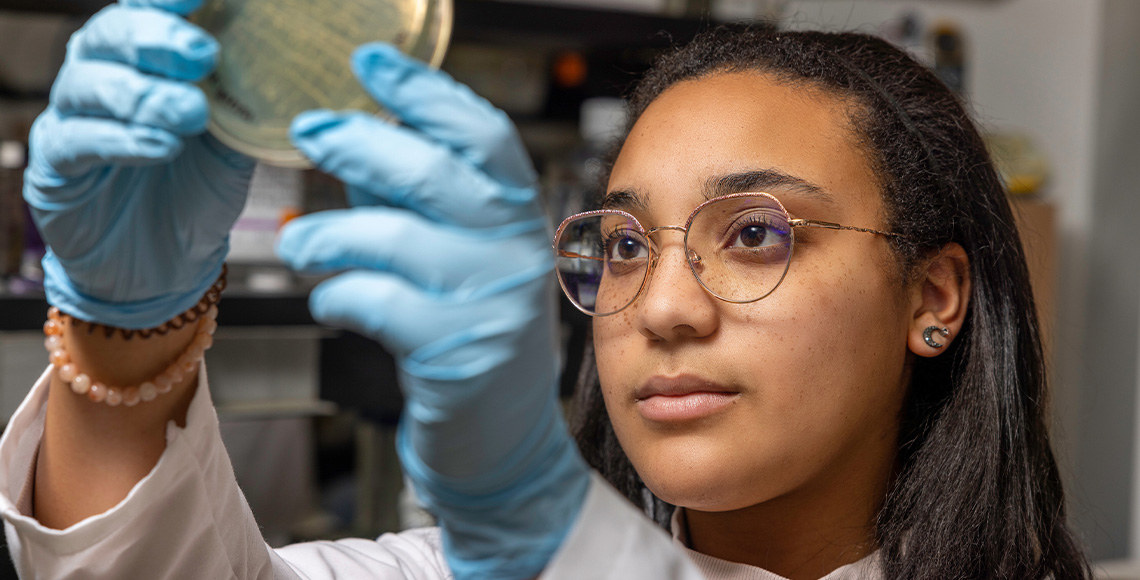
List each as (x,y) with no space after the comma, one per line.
(706,494)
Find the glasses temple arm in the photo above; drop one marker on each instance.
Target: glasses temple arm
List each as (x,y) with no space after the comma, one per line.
(834,226)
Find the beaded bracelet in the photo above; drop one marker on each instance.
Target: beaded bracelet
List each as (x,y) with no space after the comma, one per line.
(210,298)
(83,384)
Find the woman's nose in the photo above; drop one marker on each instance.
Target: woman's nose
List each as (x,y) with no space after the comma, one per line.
(673,304)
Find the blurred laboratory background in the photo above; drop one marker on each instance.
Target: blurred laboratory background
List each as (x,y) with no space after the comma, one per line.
(308,412)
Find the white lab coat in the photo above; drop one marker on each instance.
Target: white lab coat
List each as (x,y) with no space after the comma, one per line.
(188,519)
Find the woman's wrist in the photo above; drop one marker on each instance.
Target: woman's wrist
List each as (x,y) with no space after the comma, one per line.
(91,454)
(129,393)
(89,357)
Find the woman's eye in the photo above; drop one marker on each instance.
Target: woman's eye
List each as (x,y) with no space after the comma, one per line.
(756,235)
(752,236)
(624,247)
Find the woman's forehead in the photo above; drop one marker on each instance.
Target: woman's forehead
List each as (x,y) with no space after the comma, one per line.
(765,180)
(731,128)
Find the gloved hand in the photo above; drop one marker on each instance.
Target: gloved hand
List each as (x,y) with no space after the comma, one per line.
(451,270)
(133,200)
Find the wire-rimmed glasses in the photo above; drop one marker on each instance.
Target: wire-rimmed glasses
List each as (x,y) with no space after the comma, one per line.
(738,247)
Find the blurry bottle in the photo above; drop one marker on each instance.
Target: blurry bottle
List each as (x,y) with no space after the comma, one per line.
(1022,165)
(275,197)
(747,10)
(581,177)
(13,157)
(31,271)
(949,48)
(908,32)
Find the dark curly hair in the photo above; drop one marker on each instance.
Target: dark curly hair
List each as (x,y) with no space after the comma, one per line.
(977,492)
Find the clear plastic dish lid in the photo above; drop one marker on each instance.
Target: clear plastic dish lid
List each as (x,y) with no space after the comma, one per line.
(282,57)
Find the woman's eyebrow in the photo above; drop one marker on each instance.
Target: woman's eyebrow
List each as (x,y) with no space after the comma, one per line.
(720,185)
(626,199)
(762,179)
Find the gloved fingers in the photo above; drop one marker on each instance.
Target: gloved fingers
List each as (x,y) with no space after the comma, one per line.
(387,164)
(432,257)
(183,7)
(426,331)
(116,91)
(447,112)
(375,304)
(73,146)
(151,40)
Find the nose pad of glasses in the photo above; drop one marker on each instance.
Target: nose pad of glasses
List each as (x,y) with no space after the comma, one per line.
(694,260)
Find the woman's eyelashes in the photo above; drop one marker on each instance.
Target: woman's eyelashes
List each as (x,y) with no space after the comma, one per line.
(757,230)
(624,246)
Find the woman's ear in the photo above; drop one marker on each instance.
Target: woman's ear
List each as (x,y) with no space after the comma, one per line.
(939,297)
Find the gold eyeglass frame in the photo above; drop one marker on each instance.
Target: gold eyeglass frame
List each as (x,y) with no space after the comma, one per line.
(793,223)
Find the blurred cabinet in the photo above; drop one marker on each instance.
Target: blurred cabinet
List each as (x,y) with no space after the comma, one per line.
(1037,225)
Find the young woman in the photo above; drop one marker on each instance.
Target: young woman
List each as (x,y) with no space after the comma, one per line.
(814,341)
(835,416)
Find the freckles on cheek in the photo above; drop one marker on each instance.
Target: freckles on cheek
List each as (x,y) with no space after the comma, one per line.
(816,323)
(612,344)
(613,332)
(842,325)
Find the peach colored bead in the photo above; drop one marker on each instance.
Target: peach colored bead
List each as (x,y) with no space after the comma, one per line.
(59,357)
(81,382)
(209,326)
(68,372)
(53,313)
(53,343)
(187,365)
(204,340)
(163,383)
(147,391)
(174,373)
(53,328)
(114,397)
(97,393)
(78,389)
(131,396)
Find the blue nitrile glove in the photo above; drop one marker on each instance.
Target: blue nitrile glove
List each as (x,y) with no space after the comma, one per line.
(450,268)
(134,201)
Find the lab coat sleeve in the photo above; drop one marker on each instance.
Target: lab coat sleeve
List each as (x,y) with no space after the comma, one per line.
(188,519)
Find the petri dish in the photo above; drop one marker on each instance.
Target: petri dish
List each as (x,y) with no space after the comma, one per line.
(282,57)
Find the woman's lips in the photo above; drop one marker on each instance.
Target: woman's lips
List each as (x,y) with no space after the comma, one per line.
(681,398)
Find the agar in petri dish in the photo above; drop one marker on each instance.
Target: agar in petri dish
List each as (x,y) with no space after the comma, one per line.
(283,57)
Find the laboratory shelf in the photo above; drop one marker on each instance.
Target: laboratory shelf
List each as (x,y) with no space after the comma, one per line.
(77,7)
(495,20)
(567,26)
(28,312)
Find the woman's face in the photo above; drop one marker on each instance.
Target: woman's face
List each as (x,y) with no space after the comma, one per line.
(723,406)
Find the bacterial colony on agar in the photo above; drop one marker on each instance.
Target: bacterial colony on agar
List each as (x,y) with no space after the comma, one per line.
(283,57)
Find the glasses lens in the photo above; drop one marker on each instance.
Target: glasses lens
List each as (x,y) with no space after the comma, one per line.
(740,247)
(601,261)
